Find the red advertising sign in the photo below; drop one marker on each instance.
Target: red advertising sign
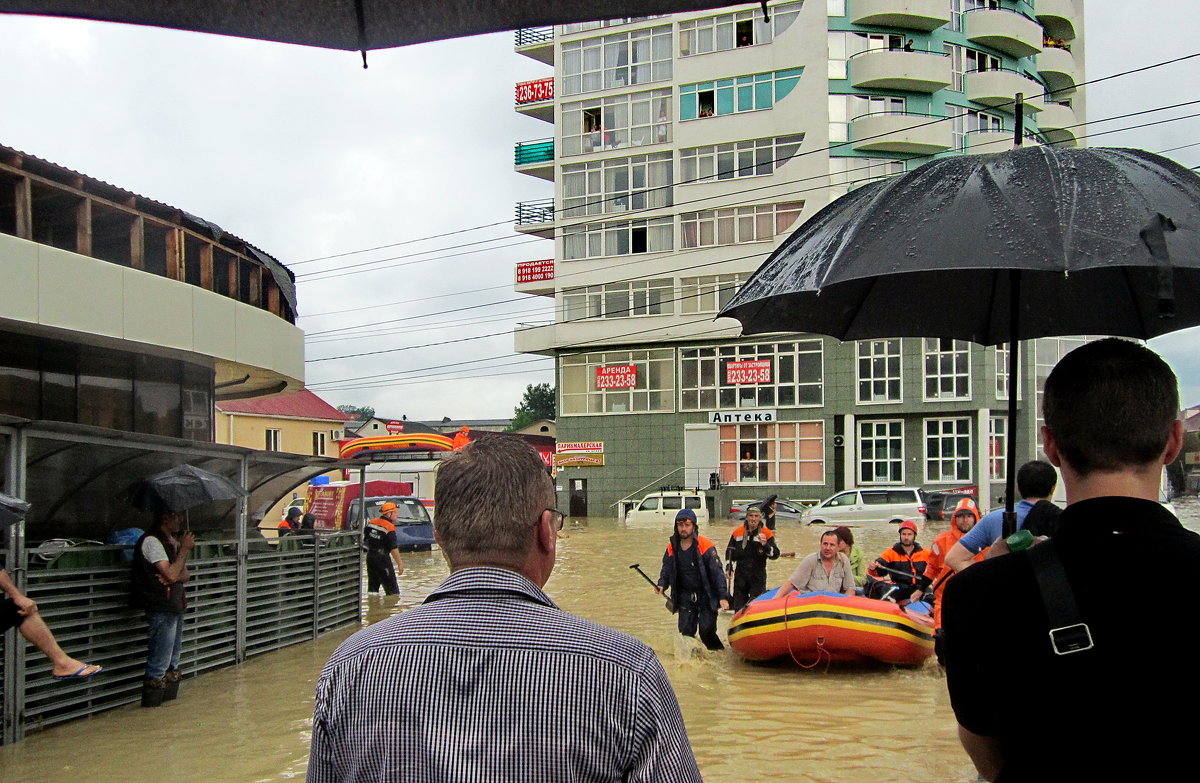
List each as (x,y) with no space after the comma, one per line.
(532,271)
(621,376)
(395,427)
(536,90)
(756,371)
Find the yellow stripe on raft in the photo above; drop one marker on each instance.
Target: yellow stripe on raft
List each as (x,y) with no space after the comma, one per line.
(924,639)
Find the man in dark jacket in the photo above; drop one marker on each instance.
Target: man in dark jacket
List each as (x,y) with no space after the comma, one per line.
(159,573)
(750,547)
(692,570)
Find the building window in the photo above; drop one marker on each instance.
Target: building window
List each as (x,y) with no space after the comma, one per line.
(617,185)
(878,371)
(880,452)
(846,174)
(579,27)
(618,60)
(751,158)
(844,45)
(318,444)
(784,452)
(272,440)
(947,369)
(948,449)
(708,293)
(997,448)
(713,227)
(630,120)
(754,92)
(1048,351)
(845,108)
(603,383)
(620,300)
(788,375)
(733,31)
(968,121)
(597,240)
(1001,372)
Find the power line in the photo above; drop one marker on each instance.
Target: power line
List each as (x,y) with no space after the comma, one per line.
(1046,93)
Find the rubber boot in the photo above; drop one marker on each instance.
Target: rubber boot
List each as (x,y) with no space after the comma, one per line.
(171,678)
(153,691)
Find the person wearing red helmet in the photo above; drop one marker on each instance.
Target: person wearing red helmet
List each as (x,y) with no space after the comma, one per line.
(903,564)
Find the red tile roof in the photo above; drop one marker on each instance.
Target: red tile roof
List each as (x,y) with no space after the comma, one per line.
(298,405)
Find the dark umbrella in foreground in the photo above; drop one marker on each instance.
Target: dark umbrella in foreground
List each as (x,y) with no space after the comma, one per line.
(181,488)
(1034,242)
(12,510)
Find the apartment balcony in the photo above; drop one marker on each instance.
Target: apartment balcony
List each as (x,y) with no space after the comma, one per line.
(986,142)
(896,69)
(917,134)
(536,43)
(535,158)
(536,218)
(1000,87)
(907,14)
(1057,123)
(535,277)
(1003,30)
(1057,17)
(1057,67)
(535,98)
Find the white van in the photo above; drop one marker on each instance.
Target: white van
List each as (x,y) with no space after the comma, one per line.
(658,509)
(860,506)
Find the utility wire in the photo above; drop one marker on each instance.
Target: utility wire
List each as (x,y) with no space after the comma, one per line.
(1046,93)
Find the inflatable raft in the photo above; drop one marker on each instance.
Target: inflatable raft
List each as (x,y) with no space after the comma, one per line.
(816,627)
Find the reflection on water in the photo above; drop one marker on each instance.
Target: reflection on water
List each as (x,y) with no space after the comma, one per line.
(764,722)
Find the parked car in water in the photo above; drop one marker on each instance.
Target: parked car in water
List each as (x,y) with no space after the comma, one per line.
(861,506)
(785,510)
(658,509)
(414,528)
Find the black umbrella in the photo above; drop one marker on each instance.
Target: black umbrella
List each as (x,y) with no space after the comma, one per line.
(12,510)
(1029,243)
(181,488)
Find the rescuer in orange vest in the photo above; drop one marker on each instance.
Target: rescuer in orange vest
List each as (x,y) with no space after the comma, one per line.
(691,568)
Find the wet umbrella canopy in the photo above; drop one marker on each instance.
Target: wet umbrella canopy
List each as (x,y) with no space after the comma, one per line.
(1030,243)
(181,488)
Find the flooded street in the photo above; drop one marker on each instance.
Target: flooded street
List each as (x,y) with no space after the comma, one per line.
(764,723)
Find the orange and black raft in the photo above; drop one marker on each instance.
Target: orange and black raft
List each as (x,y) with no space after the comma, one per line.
(814,627)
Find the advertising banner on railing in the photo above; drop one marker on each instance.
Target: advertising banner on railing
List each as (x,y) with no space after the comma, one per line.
(536,90)
(533,271)
(755,371)
(620,376)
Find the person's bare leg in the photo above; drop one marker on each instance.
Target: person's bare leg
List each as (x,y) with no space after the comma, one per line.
(38,633)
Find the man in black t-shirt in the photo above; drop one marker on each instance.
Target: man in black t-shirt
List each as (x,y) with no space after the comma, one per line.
(1102,698)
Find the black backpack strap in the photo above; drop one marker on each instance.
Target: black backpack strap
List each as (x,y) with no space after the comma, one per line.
(1068,633)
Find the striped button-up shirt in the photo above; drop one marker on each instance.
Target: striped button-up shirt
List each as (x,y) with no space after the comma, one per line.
(488,680)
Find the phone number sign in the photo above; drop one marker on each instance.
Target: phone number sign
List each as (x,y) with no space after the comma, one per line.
(756,371)
(537,90)
(621,376)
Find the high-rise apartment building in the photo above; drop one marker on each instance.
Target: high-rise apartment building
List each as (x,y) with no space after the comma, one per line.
(683,149)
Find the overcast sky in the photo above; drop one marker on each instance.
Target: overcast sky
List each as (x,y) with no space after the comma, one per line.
(304,154)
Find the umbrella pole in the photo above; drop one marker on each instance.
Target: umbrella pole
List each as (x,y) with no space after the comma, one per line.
(1014,347)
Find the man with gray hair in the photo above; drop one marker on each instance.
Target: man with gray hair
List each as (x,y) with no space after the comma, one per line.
(488,680)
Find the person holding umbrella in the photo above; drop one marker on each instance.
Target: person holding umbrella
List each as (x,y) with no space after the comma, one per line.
(159,574)
(1048,632)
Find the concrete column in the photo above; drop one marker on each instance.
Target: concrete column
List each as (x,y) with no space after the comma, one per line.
(850,467)
(243,571)
(983,419)
(13,727)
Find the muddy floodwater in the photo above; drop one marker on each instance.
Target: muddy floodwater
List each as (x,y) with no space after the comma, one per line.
(775,722)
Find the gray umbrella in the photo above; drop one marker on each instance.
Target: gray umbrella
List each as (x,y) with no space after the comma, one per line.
(181,488)
(1033,242)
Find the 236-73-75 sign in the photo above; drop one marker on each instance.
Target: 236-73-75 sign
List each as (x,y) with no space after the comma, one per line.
(754,371)
(620,376)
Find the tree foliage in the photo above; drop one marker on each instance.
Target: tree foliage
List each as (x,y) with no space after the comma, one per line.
(537,403)
(358,412)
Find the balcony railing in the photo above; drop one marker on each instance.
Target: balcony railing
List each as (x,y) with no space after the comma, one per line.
(541,151)
(528,36)
(533,212)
